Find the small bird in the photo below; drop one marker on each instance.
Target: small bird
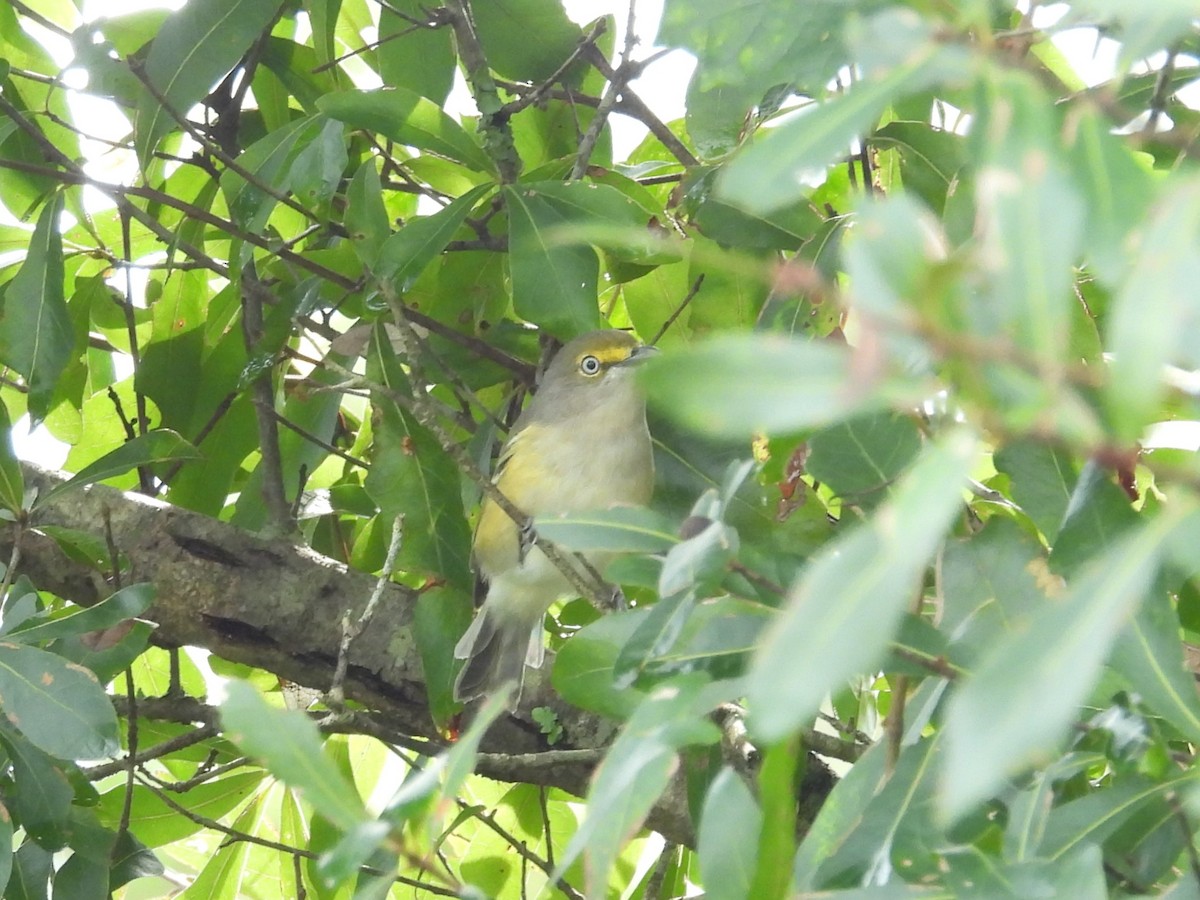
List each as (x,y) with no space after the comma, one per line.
(581,444)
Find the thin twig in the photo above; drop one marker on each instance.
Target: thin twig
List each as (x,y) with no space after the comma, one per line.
(536,95)
(262,391)
(546,865)
(246,837)
(336,697)
(678,310)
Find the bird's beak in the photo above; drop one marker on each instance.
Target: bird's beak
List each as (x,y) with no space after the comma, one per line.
(640,354)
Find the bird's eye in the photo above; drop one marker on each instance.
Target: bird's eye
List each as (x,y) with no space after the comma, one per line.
(589,365)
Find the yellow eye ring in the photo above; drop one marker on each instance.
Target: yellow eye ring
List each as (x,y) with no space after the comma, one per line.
(589,365)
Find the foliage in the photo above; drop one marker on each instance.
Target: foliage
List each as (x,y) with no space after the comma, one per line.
(927,301)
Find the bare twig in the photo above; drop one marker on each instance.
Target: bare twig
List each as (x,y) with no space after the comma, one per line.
(546,865)
(336,697)
(678,310)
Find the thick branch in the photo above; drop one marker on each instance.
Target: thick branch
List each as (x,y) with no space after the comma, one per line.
(277,605)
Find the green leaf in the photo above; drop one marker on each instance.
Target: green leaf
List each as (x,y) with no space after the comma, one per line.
(728,840)
(1031,220)
(718,637)
(195,47)
(773,171)
(657,633)
(12,479)
(744,43)
(619,529)
(412,476)
(553,284)
(157,824)
(900,811)
(777,780)
(41,793)
(419,59)
(6,844)
(1096,516)
(59,706)
(1117,190)
(864,455)
(131,859)
(269,161)
(1043,480)
(930,159)
(734,386)
(104,657)
(850,598)
(32,867)
(442,777)
(36,335)
(405,254)
(1091,819)
(1149,655)
(635,771)
(127,603)
(406,117)
(289,744)
(157,446)
(1151,320)
(991,584)
(583,668)
(441,616)
(1049,667)
(507,30)
(840,815)
(366,216)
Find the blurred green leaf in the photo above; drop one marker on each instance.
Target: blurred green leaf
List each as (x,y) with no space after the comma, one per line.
(849,599)
(773,171)
(1150,321)
(287,741)
(619,529)
(635,770)
(735,385)
(1049,667)
(1030,220)
(729,837)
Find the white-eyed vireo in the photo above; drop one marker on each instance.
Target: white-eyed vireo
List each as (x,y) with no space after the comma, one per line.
(581,444)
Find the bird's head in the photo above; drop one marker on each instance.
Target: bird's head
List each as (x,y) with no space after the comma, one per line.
(592,368)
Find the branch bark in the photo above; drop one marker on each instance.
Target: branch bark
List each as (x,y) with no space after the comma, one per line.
(277,605)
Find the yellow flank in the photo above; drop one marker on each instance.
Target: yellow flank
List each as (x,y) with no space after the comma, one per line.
(581,444)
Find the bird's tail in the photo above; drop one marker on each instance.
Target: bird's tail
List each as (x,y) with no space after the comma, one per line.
(496,652)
